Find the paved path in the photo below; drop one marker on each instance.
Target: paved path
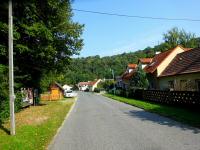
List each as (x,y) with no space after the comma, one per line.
(97,123)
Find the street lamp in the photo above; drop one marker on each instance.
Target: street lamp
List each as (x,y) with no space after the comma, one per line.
(11,74)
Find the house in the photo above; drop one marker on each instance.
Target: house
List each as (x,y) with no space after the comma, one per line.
(175,69)
(123,81)
(93,84)
(82,86)
(56,92)
(90,85)
(159,63)
(144,62)
(182,73)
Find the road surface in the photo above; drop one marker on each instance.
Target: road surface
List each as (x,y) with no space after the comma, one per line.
(98,123)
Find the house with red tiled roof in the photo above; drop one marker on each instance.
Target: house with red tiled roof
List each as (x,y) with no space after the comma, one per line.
(183,72)
(93,84)
(82,86)
(144,62)
(161,69)
(159,63)
(123,80)
(90,85)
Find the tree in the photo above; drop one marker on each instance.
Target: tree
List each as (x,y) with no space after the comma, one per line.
(176,37)
(44,38)
(139,80)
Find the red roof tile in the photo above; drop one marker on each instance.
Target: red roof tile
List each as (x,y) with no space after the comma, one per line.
(156,61)
(91,83)
(132,66)
(83,83)
(145,60)
(128,76)
(186,62)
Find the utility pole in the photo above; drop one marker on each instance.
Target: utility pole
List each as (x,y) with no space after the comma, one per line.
(113,79)
(11,74)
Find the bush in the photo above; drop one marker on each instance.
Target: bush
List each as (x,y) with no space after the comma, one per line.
(4,103)
(97,90)
(5,108)
(18,101)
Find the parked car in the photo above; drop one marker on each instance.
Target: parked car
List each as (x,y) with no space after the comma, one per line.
(70,93)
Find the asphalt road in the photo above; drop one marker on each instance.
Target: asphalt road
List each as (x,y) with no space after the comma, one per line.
(97,123)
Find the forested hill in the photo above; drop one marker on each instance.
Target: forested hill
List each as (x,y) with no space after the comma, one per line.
(89,68)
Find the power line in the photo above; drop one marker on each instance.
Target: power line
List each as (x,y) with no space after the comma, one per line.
(134,16)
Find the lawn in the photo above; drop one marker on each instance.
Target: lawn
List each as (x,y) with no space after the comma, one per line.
(35,126)
(188,116)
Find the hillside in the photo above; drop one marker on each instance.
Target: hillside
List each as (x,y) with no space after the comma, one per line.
(93,67)
(89,68)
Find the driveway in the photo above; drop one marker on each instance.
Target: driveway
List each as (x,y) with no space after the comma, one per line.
(98,123)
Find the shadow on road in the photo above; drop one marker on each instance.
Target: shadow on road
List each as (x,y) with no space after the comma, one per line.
(147,116)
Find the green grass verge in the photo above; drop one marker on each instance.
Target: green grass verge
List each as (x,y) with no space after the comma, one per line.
(35,126)
(179,114)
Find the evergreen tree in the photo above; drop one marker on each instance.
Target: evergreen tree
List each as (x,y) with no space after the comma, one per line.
(139,80)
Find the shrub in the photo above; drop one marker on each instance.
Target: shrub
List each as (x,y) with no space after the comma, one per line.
(4,103)
(97,90)
(4,106)
(18,101)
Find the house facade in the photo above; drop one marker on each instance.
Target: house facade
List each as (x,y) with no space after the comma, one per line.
(82,86)
(159,63)
(93,84)
(90,85)
(182,73)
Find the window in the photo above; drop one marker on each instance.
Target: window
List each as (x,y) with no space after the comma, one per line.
(171,84)
(183,85)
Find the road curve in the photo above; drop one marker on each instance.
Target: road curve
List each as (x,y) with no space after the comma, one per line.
(98,123)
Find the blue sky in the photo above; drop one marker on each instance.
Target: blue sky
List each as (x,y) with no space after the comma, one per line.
(109,35)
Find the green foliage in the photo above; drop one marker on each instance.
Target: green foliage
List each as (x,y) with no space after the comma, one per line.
(139,80)
(44,38)
(176,37)
(18,101)
(4,105)
(97,90)
(4,98)
(48,78)
(106,85)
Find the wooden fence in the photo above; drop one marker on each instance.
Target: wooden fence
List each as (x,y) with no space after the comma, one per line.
(172,97)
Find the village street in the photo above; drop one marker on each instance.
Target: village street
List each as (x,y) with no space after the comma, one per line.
(97,123)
